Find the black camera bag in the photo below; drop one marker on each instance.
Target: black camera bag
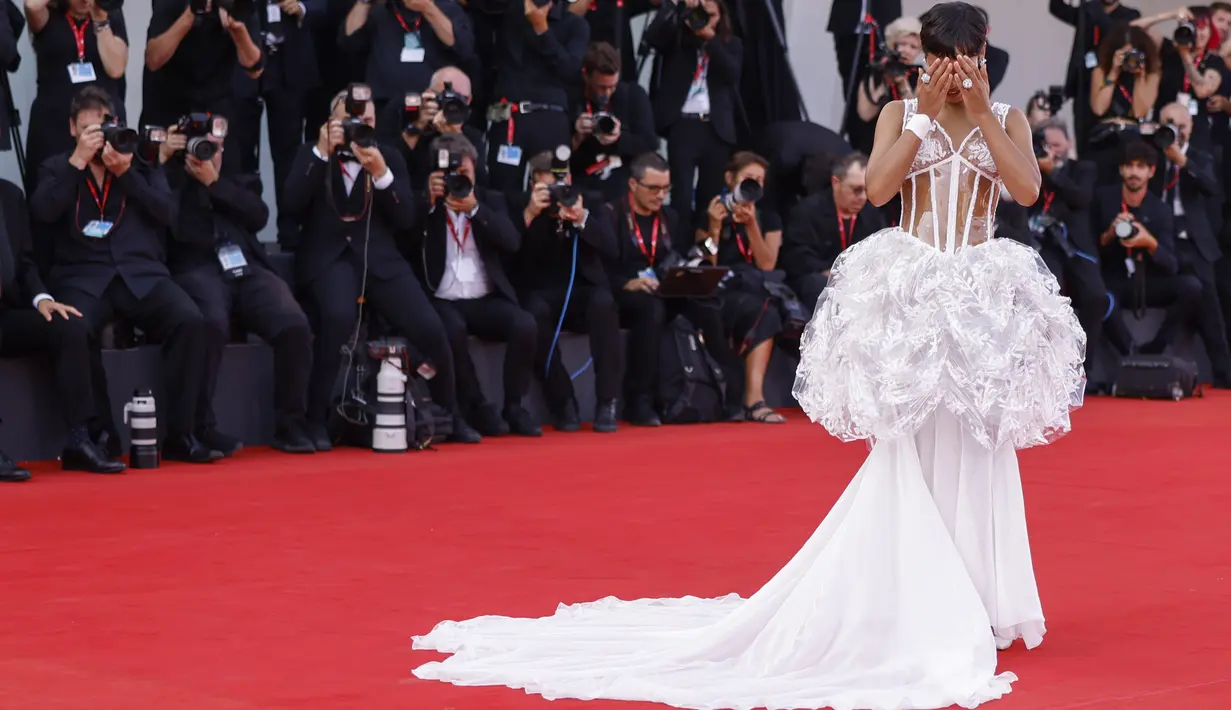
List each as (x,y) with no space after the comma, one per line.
(1156,377)
(691,386)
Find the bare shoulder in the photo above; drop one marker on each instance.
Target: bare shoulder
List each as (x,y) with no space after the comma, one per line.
(891,117)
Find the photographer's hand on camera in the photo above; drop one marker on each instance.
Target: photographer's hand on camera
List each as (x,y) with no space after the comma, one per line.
(614,136)
(117,163)
(1175,156)
(745,214)
(463,205)
(331,136)
(718,214)
(294,8)
(711,29)
(89,142)
(371,159)
(583,128)
(540,200)
(933,94)
(537,15)
(175,142)
(574,215)
(203,171)
(1047,163)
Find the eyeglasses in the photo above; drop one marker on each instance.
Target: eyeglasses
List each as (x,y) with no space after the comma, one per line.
(856,189)
(656,189)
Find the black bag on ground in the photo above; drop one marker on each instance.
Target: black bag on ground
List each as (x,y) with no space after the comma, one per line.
(691,386)
(1156,377)
(353,413)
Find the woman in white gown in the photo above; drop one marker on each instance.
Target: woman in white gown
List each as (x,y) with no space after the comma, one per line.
(948,350)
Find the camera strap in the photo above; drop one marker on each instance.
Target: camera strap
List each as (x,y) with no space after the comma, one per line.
(1048,196)
(639,239)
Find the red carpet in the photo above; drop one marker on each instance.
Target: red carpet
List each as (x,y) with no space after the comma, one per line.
(282,582)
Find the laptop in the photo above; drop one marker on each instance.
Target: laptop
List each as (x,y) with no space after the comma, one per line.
(691,281)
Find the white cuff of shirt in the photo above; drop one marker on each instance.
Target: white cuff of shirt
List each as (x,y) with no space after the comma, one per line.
(42,297)
(473,212)
(383,181)
(585,217)
(317,152)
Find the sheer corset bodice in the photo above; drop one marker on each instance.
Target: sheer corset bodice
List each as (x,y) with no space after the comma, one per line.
(949,197)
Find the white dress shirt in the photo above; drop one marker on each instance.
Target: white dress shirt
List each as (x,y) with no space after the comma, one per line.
(465,276)
(351,170)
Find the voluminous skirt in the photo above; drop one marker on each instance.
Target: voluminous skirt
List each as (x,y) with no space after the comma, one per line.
(905,328)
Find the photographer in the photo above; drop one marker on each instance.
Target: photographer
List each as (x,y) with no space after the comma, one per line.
(615,124)
(106,215)
(1185,181)
(443,109)
(1191,70)
(1122,94)
(406,41)
(643,228)
(93,44)
(747,240)
(1060,224)
(824,224)
(354,200)
(563,284)
(1137,240)
(214,255)
(538,65)
(458,243)
(1043,106)
(892,76)
(702,61)
(191,56)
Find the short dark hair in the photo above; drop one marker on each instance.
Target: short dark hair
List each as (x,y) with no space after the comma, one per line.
(743,159)
(843,165)
(541,162)
(601,58)
(1138,151)
(1220,7)
(1053,124)
(952,28)
(454,143)
(648,161)
(90,98)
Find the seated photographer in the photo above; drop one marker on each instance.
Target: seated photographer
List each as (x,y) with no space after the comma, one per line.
(444,109)
(1123,89)
(615,125)
(1191,69)
(354,199)
(893,75)
(214,255)
(458,245)
(747,240)
(538,66)
(1137,249)
(825,224)
(562,283)
(405,42)
(643,228)
(193,51)
(1059,222)
(106,214)
(33,323)
(694,107)
(1185,180)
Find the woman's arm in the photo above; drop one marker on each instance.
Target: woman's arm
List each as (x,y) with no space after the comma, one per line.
(1204,83)
(1013,150)
(1148,23)
(112,48)
(869,99)
(893,151)
(1102,88)
(1145,93)
(37,15)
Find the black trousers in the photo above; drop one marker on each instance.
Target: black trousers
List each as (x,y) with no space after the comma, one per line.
(1210,319)
(400,301)
(533,133)
(694,148)
(646,317)
(24,331)
(262,303)
(493,318)
(809,288)
(283,109)
(1179,294)
(1083,282)
(591,310)
(169,316)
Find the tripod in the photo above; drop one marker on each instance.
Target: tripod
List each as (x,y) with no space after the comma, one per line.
(19,150)
(861,30)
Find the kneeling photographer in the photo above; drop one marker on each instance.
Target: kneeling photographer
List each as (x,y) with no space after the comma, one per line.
(562,283)
(215,256)
(461,236)
(649,237)
(444,109)
(1059,222)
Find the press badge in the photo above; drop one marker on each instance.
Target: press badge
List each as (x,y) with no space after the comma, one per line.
(1091,60)
(81,72)
(273,13)
(232,260)
(1187,101)
(1130,267)
(509,155)
(97,228)
(647,274)
(412,48)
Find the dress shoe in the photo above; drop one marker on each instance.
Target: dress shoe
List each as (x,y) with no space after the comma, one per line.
(567,419)
(487,421)
(10,472)
(87,456)
(463,433)
(319,436)
(520,422)
(189,449)
(216,440)
(109,442)
(640,412)
(605,417)
(292,439)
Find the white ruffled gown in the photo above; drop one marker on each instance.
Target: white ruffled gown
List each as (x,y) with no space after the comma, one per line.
(949,356)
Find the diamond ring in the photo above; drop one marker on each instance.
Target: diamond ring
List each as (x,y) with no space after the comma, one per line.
(926,78)
(967,83)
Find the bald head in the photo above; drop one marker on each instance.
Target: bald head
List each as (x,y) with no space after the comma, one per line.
(454,76)
(1178,116)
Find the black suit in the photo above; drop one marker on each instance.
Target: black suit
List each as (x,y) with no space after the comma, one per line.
(591,160)
(494,316)
(1196,245)
(23,330)
(814,237)
(349,249)
(844,21)
(123,274)
(231,211)
(546,278)
(697,144)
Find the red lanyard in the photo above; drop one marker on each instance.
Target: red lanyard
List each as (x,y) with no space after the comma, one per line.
(342,167)
(1126,94)
(512,110)
(1096,36)
(1197,64)
(405,27)
(842,229)
(703,64)
(744,251)
(1047,198)
(653,250)
(460,240)
(102,203)
(1175,177)
(78,34)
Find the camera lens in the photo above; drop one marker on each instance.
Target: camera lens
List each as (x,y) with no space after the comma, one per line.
(458,186)
(1124,230)
(122,140)
(1165,136)
(604,124)
(455,112)
(1185,34)
(697,18)
(201,148)
(748,190)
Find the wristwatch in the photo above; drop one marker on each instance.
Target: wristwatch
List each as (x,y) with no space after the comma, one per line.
(100,26)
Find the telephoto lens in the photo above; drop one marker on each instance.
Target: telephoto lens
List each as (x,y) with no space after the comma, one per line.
(697,19)
(1165,136)
(746,191)
(1185,35)
(121,138)
(453,106)
(1125,229)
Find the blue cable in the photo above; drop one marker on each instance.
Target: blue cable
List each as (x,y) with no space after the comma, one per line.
(568,295)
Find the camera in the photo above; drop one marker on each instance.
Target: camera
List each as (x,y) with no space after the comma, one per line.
(1050,99)
(1165,136)
(198,128)
(412,107)
(563,194)
(697,18)
(1038,139)
(1046,228)
(353,128)
(457,185)
(887,61)
(121,138)
(746,191)
(1185,35)
(1125,229)
(604,122)
(152,138)
(453,105)
(1134,60)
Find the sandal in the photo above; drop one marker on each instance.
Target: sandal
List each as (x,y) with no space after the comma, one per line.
(761,413)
